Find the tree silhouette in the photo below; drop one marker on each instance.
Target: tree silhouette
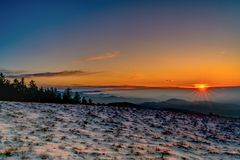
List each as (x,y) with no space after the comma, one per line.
(84,101)
(19,91)
(90,101)
(67,95)
(76,98)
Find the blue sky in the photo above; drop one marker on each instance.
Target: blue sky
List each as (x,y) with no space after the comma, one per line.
(54,36)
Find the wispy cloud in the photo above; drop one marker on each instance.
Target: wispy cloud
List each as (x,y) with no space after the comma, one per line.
(11,72)
(53,74)
(104,56)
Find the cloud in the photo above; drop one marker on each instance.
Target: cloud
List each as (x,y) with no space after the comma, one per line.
(106,55)
(11,72)
(53,74)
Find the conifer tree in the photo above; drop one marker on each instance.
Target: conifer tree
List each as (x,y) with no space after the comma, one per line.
(19,91)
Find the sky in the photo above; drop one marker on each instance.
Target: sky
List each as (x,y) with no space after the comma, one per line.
(154,43)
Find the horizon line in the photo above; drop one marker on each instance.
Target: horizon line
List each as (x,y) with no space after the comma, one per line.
(129,87)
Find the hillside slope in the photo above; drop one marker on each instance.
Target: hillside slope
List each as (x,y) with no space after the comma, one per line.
(53,131)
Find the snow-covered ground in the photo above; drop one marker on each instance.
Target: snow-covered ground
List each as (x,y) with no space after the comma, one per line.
(53,131)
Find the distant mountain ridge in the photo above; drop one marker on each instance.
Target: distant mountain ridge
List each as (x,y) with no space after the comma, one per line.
(205,107)
(125,104)
(108,98)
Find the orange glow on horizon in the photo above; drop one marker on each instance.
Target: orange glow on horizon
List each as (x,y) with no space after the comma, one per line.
(201,87)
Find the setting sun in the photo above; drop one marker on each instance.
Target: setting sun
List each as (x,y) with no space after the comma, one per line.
(201,87)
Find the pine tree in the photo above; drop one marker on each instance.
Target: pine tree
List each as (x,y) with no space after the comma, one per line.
(90,101)
(19,91)
(67,95)
(84,101)
(76,98)
(33,91)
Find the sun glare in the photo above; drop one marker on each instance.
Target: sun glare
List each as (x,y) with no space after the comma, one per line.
(201,87)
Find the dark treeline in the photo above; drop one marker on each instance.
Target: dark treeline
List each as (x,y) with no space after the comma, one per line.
(17,90)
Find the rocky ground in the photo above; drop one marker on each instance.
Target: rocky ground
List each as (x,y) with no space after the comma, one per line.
(53,131)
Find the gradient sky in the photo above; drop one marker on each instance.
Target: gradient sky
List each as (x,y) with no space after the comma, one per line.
(122,42)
